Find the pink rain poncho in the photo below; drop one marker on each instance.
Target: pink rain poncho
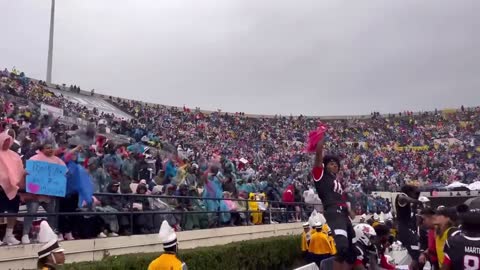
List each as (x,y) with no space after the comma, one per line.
(11,168)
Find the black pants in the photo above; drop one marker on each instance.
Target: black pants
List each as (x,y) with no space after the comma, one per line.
(143,224)
(7,205)
(434,265)
(318,258)
(343,233)
(66,224)
(91,226)
(410,241)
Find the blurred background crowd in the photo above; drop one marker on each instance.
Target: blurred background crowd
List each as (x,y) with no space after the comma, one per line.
(170,151)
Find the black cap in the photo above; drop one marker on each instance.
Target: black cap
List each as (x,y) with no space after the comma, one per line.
(449,212)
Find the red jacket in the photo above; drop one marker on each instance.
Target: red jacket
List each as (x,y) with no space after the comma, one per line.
(432,248)
(289,194)
(385,264)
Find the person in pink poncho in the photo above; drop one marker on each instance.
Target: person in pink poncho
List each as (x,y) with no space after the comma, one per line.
(12,175)
(45,153)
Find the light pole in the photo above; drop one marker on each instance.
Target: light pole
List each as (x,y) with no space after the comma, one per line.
(50,43)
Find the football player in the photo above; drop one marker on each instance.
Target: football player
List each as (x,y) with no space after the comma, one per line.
(365,248)
(462,249)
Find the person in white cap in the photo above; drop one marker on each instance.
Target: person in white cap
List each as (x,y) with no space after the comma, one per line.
(169,259)
(51,253)
(319,247)
(382,219)
(376,220)
(306,236)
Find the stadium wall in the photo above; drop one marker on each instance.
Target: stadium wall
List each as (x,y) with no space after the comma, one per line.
(25,256)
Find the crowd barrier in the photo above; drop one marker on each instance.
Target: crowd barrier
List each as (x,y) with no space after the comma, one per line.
(449,198)
(276,210)
(448,201)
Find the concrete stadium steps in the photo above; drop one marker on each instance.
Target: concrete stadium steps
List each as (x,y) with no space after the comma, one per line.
(25,256)
(92,102)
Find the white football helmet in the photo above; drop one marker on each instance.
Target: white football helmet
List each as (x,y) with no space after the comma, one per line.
(364,233)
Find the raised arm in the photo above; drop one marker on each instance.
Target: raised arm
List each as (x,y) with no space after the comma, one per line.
(319,154)
(403,200)
(69,154)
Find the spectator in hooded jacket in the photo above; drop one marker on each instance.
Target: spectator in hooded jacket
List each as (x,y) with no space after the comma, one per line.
(49,203)
(11,179)
(288,199)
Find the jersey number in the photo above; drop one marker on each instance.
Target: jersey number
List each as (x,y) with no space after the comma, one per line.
(337,187)
(471,262)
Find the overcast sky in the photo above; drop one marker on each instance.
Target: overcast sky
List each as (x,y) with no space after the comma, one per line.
(311,57)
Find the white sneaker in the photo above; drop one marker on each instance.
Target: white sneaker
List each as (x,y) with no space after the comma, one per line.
(69,236)
(25,239)
(112,234)
(60,237)
(102,235)
(11,240)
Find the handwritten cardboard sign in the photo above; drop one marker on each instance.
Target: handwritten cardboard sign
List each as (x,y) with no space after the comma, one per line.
(46,178)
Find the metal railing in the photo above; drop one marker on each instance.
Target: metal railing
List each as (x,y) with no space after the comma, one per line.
(281,212)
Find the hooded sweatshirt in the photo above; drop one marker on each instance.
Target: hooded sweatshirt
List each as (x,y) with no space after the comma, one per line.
(11,168)
(288,194)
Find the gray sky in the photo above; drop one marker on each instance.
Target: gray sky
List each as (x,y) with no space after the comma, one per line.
(311,57)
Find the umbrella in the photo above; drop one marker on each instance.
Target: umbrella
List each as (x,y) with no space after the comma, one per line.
(456,184)
(474,186)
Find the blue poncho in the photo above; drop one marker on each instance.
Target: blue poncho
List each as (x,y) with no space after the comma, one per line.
(213,189)
(78,181)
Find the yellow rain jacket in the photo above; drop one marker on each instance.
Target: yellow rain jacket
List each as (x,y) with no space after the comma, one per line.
(305,241)
(319,244)
(440,243)
(325,230)
(167,261)
(253,208)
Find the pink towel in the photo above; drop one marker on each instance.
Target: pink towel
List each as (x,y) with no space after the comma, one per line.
(231,205)
(314,137)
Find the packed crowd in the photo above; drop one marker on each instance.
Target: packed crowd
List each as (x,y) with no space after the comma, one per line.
(180,151)
(380,152)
